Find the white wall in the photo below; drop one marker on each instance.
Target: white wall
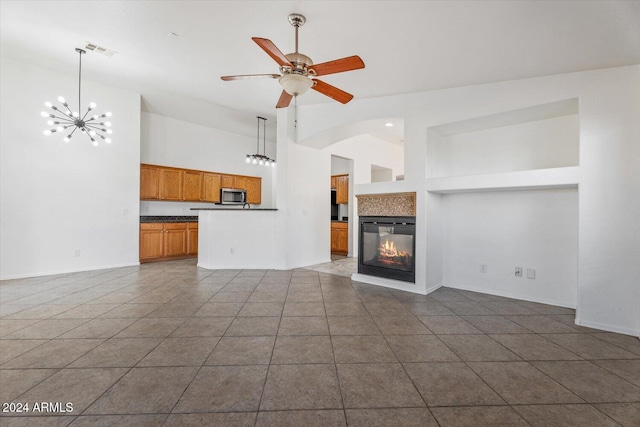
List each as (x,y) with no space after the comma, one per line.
(609,188)
(59,197)
(528,229)
(339,165)
(170,142)
(303,199)
(538,144)
(366,150)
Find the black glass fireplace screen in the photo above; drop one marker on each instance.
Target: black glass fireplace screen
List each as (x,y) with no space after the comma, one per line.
(387,246)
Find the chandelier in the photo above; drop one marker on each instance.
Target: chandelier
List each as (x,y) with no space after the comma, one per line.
(63,118)
(261,159)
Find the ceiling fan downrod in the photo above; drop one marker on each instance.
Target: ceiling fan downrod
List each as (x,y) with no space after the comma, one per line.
(297,21)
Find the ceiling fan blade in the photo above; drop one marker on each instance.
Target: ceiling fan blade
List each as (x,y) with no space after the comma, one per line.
(250,76)
(271,49)
(338,66)
(332,91)
(284,101)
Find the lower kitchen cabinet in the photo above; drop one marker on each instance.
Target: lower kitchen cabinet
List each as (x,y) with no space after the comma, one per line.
(340,238)
(168,240)
(192,238)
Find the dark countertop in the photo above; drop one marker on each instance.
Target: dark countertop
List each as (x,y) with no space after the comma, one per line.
(190,218)
(335,220)
(234,209)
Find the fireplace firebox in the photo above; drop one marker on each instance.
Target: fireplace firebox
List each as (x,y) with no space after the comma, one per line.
(387,246)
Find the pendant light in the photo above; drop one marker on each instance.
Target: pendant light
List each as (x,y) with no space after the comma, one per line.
(63,118)
(261,159)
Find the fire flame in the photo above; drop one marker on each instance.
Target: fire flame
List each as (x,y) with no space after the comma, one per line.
(388,253)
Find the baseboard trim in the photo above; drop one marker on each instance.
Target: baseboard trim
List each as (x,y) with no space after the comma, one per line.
(608,328)
(58,272)
(511,295)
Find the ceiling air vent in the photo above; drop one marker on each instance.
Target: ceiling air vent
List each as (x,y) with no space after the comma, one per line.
(99,49)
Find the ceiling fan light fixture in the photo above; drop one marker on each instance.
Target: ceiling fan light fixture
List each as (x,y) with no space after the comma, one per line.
(295,84)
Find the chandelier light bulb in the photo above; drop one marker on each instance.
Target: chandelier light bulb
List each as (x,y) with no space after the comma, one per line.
(92,105)
(107,140)
(76,114)
(47,132)
(107,114)
(45,114)
(62,100)
(92,133)
(107,124)
(59,129)
(94,142)
(109,131)
(48,104)
(50,122)
(67,138)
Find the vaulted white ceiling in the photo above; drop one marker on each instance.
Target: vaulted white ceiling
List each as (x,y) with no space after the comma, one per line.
(407,46)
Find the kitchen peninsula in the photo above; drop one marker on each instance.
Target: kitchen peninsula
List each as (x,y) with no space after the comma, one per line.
(237,238)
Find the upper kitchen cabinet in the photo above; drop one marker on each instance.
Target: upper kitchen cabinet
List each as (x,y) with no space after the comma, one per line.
(189,185)
(228,181)
(333,182)
(211,187)
(342,189)
(149,182)
(254,190)
(192,186)
(240,182)
(171,184)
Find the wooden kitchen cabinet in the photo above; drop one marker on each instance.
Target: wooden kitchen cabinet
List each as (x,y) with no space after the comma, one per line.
(175,239)
(227,181)
(151,241)
(192,238)
(149,183)
(189,185)
(192,186)
(170,240)
(211,187)
(254,190)
(333,182)
(171,183)
(340,238)
(342,189)
(240,182)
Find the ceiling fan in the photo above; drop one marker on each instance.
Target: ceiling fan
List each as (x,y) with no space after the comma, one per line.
(297,71)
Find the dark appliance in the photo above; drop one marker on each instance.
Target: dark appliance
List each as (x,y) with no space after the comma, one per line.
(334,206)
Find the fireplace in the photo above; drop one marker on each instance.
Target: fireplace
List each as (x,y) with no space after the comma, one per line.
(387,246)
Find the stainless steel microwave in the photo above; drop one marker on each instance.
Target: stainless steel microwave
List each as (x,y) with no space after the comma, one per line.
(232,196)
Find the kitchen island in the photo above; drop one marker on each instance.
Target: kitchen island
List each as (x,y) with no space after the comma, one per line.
(237,238)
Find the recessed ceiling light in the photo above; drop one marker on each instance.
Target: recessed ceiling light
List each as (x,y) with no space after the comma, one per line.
(388,124)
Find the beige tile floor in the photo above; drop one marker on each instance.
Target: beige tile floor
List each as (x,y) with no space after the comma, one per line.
(171,344)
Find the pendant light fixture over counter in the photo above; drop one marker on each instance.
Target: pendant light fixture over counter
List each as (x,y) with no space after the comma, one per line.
(261,159)
(64,118)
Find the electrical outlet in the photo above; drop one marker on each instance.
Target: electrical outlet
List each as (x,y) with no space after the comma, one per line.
(483,268)
(232,251)
(518,271)
(531,273)
(76,253)
(124,211)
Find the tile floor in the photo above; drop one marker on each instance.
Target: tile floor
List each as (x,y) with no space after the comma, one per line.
(171,344)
